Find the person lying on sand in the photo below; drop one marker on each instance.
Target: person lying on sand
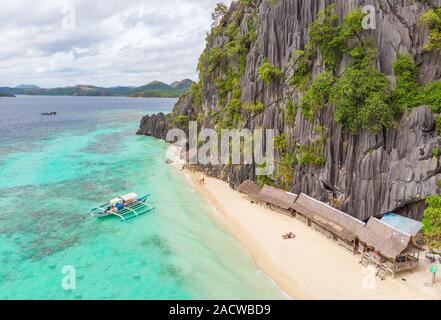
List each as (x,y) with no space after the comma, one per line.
(289,236)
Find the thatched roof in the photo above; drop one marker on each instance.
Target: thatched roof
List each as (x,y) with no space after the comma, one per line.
(387,240)
(277,197)
(249,187)
(333,220)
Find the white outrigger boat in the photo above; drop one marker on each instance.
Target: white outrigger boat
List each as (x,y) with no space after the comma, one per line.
(125,207)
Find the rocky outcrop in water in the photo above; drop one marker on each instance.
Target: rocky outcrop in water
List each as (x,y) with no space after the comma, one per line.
(155,125)
(368,174)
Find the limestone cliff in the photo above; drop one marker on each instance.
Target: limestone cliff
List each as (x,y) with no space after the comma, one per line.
(365,174)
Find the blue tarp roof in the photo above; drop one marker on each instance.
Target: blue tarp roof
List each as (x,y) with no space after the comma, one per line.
(403,224)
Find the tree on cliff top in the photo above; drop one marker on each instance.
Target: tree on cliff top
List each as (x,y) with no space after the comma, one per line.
(432,223)
(219,13)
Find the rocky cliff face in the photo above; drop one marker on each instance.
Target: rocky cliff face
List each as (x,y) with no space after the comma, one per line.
(368,174)
(155,125)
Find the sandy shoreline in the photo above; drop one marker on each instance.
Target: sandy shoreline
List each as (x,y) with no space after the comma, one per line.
(310,266)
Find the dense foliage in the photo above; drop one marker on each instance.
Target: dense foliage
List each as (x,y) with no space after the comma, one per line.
(432,223)
(302,65)
(405,94)
(408,93)
(195,92)
(361,93)
(360,96)
(330,38)
(290,112)
(254,108)
(432,96)
(318,95)
(269,73)
(432,20)
(224,64)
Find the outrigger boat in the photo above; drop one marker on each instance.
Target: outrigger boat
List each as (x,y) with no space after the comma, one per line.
(125,207)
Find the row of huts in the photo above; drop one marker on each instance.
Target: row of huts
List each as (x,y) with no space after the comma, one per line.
(390,243)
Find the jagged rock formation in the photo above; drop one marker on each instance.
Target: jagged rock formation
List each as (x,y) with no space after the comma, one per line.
(155,125)
(368,174)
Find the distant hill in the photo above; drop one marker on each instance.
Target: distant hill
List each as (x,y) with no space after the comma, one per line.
(154,85)
(151,90)
(184,84)
(160,89)
(27,86)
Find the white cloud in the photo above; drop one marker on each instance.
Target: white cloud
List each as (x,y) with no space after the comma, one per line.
(102,42)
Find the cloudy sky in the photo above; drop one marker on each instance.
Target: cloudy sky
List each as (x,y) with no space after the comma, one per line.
(101,42)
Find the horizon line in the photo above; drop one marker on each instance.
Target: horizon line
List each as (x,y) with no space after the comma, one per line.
(92,85)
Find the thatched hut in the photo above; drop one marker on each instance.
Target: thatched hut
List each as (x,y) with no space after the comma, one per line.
(387,247)
(249,187)
(277,199)
(330,221)
(390,244)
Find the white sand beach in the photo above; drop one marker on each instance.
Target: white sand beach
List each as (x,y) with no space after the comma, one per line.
(310,266)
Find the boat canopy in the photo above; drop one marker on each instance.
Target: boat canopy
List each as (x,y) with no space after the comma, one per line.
(115,201)
(129,197)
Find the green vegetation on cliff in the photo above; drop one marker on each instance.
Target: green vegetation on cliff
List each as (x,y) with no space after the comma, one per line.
(337,68)
(269,73)
(408,93)
(432,20)
(331,39)
(362,95)
(318,94)
(302,64)
(225,64)
(432,223)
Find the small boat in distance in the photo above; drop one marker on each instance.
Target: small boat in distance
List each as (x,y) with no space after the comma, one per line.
(125,207)
(50,113)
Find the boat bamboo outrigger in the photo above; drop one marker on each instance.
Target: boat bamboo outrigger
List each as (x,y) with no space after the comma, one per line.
(125,207)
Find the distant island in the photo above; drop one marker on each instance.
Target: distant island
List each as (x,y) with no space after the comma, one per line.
(6,95)
(154,89)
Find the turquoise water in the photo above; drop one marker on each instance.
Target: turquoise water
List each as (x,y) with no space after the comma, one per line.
(53,170)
